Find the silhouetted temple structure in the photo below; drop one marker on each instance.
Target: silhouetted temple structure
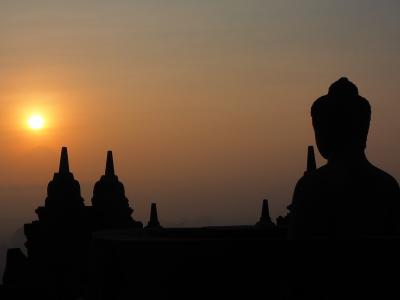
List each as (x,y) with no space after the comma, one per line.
(100,252)
(62,254)
(58,242)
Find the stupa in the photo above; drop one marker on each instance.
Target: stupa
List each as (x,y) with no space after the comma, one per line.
(111,208)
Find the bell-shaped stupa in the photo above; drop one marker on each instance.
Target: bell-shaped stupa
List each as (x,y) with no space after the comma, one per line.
(110,206)
(64,200)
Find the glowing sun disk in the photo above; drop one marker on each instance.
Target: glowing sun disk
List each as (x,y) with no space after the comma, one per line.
(36,122)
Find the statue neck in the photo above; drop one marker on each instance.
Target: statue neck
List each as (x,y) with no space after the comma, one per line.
(348,157)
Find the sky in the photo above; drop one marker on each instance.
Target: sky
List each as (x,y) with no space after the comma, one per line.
(205,104)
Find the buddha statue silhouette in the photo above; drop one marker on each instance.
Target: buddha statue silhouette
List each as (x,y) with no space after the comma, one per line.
(348,197)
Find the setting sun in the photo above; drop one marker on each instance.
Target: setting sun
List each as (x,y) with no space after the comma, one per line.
(36,122)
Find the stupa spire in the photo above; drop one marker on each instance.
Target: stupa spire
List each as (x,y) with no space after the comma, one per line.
(153,222)
(64,163)
(265,210)
(311,163)
(265,219)
(110,164)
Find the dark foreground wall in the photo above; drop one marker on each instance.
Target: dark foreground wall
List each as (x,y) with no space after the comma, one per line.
(239,263)
(182,263)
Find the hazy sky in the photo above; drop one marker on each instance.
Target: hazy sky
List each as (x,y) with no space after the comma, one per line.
(205,103)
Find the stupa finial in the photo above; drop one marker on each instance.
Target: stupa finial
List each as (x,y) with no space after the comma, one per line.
(64,163)
(110,164)
(311,163)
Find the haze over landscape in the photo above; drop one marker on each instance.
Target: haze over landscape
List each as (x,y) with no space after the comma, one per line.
(204,103)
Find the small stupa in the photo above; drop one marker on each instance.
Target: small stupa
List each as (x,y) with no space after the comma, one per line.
(265,219)
(153,223)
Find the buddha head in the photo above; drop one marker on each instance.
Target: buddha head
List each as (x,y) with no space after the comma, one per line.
(341,120)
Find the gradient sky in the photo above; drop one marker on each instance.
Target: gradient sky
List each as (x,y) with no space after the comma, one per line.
(205,103)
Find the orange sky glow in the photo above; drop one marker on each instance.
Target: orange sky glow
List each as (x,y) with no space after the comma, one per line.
(205,105)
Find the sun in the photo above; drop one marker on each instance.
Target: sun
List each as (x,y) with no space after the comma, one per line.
(36,122)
